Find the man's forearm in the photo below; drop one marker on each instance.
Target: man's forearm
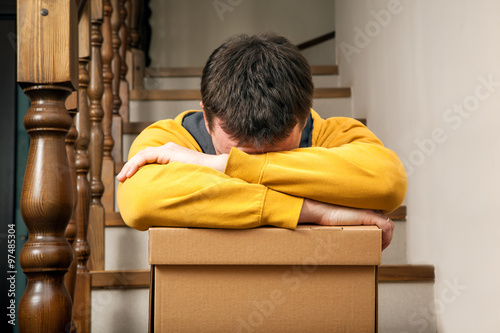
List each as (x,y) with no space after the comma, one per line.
(169,153)
(327,214)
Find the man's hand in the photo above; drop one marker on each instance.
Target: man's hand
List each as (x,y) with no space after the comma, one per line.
(327,214)
(170,152)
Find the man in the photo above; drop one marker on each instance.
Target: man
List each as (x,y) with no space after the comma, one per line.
(257,154)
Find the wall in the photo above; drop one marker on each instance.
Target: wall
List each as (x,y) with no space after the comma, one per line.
(426,74)
(185,32)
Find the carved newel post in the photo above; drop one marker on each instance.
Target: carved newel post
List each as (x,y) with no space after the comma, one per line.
(48,73)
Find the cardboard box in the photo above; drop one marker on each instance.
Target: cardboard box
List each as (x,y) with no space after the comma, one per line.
(313,279)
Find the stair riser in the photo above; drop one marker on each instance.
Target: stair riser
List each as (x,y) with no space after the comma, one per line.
(395,254)
(126,249)
(124,311)
(406,307)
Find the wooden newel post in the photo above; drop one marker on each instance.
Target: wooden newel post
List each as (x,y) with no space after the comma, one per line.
(48,73)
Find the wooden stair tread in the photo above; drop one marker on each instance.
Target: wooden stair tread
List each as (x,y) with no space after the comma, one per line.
(121,279)
(197,71)
(195,94)
(406,273)
(114,219)
(399,214)
(127,279)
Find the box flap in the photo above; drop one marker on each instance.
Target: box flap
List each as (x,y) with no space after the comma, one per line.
(307,245)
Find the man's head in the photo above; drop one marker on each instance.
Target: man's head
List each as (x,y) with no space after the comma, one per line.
(257,90)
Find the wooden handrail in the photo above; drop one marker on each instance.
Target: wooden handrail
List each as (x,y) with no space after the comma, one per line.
(316,41)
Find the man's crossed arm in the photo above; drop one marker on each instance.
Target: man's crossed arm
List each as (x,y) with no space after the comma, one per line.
(312,211)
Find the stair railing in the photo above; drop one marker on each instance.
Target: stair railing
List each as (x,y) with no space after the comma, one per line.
(75,125)
(316,41)
(74,109)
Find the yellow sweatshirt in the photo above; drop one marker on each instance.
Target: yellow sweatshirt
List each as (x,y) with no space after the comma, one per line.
(346,164)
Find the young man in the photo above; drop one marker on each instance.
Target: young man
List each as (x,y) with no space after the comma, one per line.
(257,154)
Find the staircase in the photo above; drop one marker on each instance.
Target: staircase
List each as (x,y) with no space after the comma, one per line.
(118,279)
(120,294)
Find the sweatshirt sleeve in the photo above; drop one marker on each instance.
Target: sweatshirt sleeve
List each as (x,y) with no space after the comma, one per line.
(187,195)
(347,165)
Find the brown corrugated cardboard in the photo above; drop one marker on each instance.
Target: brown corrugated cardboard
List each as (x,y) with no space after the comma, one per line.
(313,279)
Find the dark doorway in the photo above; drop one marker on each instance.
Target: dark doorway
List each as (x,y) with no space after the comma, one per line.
(8,110)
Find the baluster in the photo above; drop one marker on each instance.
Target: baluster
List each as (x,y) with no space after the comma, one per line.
(81,304)
(136,60)
(116,130)
(95,92)
(124,53)
(47,72)
(107,104)
(135,21)
(70,277)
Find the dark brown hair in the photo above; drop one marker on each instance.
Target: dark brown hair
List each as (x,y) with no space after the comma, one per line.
(259,87)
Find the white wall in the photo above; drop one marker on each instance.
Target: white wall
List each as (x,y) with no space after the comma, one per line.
(411,73)
(185,32)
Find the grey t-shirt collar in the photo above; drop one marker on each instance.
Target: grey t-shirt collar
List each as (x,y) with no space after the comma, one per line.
(194,123)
